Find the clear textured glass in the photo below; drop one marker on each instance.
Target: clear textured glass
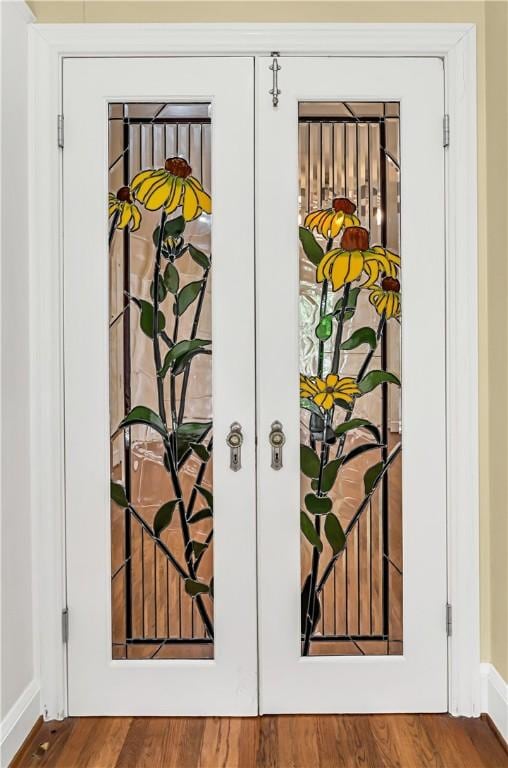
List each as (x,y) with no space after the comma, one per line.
(160,381)
(350,365)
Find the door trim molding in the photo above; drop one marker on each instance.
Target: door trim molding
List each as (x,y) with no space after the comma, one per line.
(456,45)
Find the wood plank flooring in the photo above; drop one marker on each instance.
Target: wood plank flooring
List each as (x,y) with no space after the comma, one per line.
(304,741)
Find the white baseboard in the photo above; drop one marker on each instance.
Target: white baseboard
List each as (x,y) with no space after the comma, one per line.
(495,697)
(19,721)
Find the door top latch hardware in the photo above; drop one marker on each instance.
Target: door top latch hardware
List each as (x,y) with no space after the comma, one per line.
(275,68)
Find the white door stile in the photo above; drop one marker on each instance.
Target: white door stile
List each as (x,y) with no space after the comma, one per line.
(416,681)
(226,685)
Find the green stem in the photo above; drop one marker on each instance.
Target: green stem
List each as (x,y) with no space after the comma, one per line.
(155,321)
(172,559)
(170,455)
(186,536)
(114,222)
(340,328)
(361,374)
(172,393)
(322,313)
(194,330)
(199,478)
(326,573)
(311,605)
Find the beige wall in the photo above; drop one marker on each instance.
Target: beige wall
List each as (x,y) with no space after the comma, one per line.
(491,18)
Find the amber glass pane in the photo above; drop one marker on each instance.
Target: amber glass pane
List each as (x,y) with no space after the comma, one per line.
(160,381)
(350,344)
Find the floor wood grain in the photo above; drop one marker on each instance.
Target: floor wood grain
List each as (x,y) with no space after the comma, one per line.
(303,741)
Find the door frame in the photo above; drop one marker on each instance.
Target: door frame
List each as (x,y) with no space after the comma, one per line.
(455,44)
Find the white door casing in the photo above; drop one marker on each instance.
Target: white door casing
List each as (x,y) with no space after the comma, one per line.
(456,45)
(226,685)
(416,681)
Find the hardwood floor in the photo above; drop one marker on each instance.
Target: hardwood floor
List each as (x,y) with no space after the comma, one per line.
(305,741)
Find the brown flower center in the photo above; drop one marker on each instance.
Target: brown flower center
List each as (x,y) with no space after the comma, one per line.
(355,239)
(124,195)
(178,167)
(390,284)
(330,390)
(343,204)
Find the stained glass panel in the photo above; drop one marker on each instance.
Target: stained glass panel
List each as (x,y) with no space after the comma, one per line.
(160,381)
(350,360)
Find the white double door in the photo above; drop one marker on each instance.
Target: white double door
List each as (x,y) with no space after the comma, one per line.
(184,605)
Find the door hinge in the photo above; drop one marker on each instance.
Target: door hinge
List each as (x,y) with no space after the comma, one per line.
(60,131)
(448,620)
(65,626)
(446,130)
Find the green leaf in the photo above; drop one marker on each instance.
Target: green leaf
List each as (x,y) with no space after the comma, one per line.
(118,494)
(334,533)
(194,431)
(191,432)
(309,462)
(310,405)
(356,424)
(324,328)
(146,319)
(143,415)
(330,475)
(182,362)
(200,451)
(359,450)
(371,477)
(312,250)
(187,295)
(198,547)
(206,494)
(163,516)
(211,588)
(171,278)
(172,228)
(310,533)
(314,484)
(199,257)
(351,303)
(194,588)
(162,290)
(318,505)
(305,606)
(361,336)
(201,514)
(342,404)
(181,349)
(374,378)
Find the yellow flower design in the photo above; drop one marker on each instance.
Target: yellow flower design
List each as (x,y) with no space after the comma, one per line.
(171,187)
(330,221)
(387,298)
(346,264)
(122,204)
(325,392)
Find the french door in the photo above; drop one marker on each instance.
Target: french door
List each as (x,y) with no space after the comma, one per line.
(161,570)
(352,531)
(206,576)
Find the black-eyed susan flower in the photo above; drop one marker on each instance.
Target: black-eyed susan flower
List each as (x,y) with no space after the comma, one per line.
(326,392)
(330,221)
(170,187)
(346,264)
(386,299)
(127,210)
